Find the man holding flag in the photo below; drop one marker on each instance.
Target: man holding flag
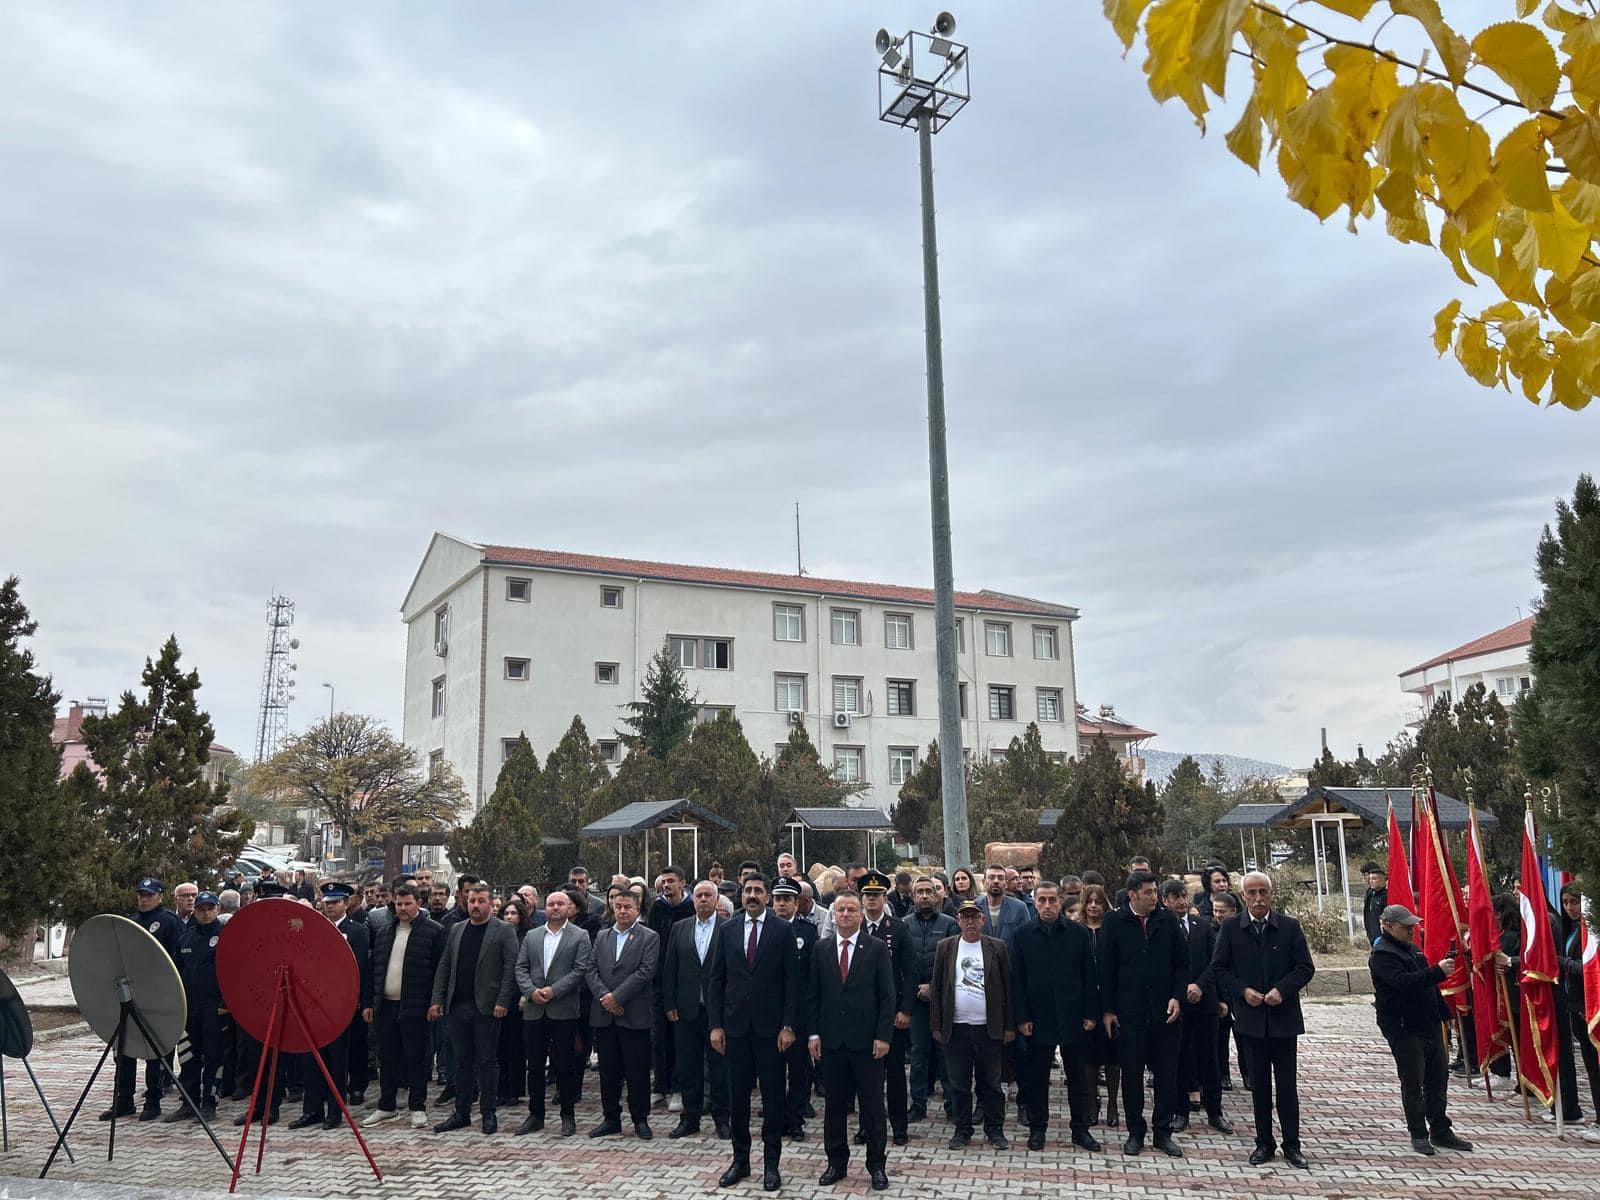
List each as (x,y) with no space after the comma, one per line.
(1491,1006)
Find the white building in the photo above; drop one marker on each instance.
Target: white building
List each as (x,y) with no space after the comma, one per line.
(502,640)
(1498,660)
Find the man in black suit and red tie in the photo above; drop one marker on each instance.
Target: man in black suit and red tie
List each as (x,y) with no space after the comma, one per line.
(755,992)
(853,999)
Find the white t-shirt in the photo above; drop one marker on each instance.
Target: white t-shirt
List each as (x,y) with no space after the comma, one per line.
(971,1006)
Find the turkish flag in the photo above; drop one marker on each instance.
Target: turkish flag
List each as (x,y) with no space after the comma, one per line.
(1492,1022)
(1591,984)
(1399,870)
(1443,923)
(1536,1022)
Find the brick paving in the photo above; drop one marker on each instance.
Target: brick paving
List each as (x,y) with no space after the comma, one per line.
(1352,1134)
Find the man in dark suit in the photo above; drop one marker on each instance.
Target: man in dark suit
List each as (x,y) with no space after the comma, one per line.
(797,1067)
(685,988)
(320,1106)
(754,996)
(625,959)
(1144,973)
(1057,1001)
(553,980)
(1199,1079)
(879,922)
(853,996)
(1261,965)
(972,1017)
(473,989)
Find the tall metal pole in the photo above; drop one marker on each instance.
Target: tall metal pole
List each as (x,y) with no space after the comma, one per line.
(952,765)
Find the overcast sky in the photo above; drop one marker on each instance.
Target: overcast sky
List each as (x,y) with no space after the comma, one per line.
(292,286)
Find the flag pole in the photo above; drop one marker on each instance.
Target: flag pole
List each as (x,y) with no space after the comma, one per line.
(1516,1071)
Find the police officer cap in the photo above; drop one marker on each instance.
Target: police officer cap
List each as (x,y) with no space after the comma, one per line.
(969,905)
(150,884)
(1373,868)
(1399,914)
(334,890)
(875,881)
(785,887)
(205,898)
(268,888)
(728,888)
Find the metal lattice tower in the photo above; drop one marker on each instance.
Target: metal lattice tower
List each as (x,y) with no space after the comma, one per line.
(277,678)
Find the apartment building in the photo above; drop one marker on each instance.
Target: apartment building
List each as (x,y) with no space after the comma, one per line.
(505,640)
(1498,660)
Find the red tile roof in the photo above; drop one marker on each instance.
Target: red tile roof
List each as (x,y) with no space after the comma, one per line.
(728,577)
(1113,726)
(1519,633)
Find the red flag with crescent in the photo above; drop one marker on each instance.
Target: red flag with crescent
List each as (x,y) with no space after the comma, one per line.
(1536,1021)
(1492,1020)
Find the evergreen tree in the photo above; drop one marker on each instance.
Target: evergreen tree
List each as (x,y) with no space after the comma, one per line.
(1193,804)
(716,768)
(640,777)
(797,778)
(1107,818)
(573,773)
(502,844)
(1558,721)
(917,811)
(665,717)
(1004,799)
(155,813)
(40,826)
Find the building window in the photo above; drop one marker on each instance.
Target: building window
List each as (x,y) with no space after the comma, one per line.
(902,697)
(846,694)
(519,590)
(897,631)
(718,655)
(438,697)
(902,764)
(997,639)
(684,651)
(1045,644)
(607,672)
(441,628)
(435,763)
(1049,704)
(1002,703)
(610,750)
(1505,687)
(610,597)
(846,627)
(998,757)
(961,692)
(710,712)
(847,764)
(1523,684)
(789,693)
(507,745)
(788,623)
(961,636)
(516,668)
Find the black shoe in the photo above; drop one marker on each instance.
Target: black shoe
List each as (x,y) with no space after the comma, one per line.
(208,1109)
(456,1120)
(684,1128)
(569,1126)
(1180,1122)
(1423,1146)
(999,1142)
(151,1111)
(333,1120)
(919,1112)
(959,1141)
(606,1129)
(490,1123)
(771,1181)
(901,1137)
(1085,1141)
(724,1131)
(1220,1123)
(446,1096)
(1449,1141)
(809,1112)
(1194,1106)
(739,1170)
(796,1132)
(530,1124)
(239,1093)
(879,1179)
(1295,1159)
(831,1176)
(182,1113)
(1167,1146)
(294,1095)
(306,1121)
(861,1137)
(1132,1146)
(1261,1155)
(356,1099)
(1036,1139)
(1227,1085)
(642,1131)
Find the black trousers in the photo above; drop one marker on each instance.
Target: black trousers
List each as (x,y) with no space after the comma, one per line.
(1591,1060)
(1154,1047)
(693,1061)
(663,1042)
(126,1073)
(1424,1079)
(754,1061)
(510,1057)
(358,1070)
(1197,1061)
(1570,1028)
(557,1041)
(894,1078)
(928,1064)
(1036,1066)
(1275,1061)
(273,1084)
(208,1032)
(624,1057)
(475,1039)
(975,1056)
(319,1102)
(798,1078)
(404,1046)
(853,1075)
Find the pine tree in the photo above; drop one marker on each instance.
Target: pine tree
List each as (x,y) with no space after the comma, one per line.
(1004,799)
(156,813)
(1106,818)
(640,777)
(797,778)
(40,826)
(1193,804)
(665,717)
(1558,721)
(717,769)
(573,773)
(503,843)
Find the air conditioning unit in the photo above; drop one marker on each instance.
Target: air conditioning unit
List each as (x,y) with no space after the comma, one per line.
(441,647)
(843,720)
(797,718)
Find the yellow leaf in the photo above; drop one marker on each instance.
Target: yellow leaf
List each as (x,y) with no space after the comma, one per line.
(1562,239)
(1444,325)
(1582,200)
(1363,88)
(1502,310)
(1583,71)
(1349,8)
(1521,337)
(1585,33)
(1169,36)
(1558,300)
(1525,8)
(1452,47)
(1124,17)
(1282,85)
(1450,247)
(1457,148)
(1400,141)
(1244,139)
(1523,57)
(1215,24)
(1479,359)
(1557,18)
(1519,167)
(1585,293)
(1533,372)
(1518,258)
(1478,242)
(1406,222)
(1577,141)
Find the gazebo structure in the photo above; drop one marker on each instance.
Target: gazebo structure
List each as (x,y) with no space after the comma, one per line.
(869,822)
(1251,818)
(678,817)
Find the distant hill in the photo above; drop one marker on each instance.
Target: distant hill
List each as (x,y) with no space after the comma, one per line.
(1158,764)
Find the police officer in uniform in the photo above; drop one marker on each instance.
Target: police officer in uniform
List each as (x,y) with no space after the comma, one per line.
(877,920)
(321,1107)
(209,1023)
(166,928)
(797,1059)
(272,1088)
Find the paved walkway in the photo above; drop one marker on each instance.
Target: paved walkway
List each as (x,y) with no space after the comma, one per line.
(1352,1134)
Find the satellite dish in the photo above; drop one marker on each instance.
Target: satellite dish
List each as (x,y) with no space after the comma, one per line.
(276,936)
(112,955)
(944,24)
(883,41)
(16,1026)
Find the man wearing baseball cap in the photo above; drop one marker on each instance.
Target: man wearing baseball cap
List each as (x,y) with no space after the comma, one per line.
(1410,1014)
(164,926)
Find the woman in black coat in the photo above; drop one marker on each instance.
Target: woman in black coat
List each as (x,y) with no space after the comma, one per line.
(513,1061)
(1094,906)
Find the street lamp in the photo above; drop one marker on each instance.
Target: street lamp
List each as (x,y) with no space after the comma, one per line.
(922,81)
(329,686)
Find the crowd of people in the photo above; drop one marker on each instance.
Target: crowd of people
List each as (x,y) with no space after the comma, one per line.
(870,992)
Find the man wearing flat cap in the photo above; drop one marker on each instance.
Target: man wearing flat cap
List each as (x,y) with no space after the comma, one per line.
(163,925)
(1411,1015)
(1375,901)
